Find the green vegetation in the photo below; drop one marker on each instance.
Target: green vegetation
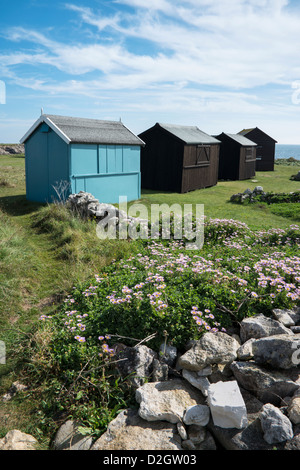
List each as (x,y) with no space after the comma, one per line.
(67,298)
(287,161)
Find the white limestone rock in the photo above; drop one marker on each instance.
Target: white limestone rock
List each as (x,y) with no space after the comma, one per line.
(227,405)
(166,401)
(17,440)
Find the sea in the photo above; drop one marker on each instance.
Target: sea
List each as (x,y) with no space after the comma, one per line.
(287,151)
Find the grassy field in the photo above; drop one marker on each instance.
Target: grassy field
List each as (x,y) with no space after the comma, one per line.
(216,199)
(44,252)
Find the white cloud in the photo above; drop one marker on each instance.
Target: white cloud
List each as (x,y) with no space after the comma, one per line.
(200,42)
(198,55)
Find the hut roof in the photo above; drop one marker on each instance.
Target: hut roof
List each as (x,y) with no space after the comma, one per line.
(246,131)
(91,131)
(189,134)
(240,139)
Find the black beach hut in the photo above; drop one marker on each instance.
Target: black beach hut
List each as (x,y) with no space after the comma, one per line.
(265,150)
(178,158)
(237,158)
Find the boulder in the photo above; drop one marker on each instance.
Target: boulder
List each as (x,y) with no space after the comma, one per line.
(12,149)
(268,386)
(284,316)
(275,425)
(279,351)
(128,431)
(68,437)
(227,406)
(247,191)
(182,431)
(136,363)
(160,371)
(212,348)
(293,409)
(258,190)
(198,381)
(260,326)
(17,440)
(166,401)
(196,414)
(296,177)
(199,438)
(245,352)
(197,434)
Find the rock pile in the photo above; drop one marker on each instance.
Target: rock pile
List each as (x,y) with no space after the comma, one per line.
(15,149)
(235,390)
(296,177)
(88,207)
(259,195)
(248,195)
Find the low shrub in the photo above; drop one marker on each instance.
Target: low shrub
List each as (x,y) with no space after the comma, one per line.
(162,291)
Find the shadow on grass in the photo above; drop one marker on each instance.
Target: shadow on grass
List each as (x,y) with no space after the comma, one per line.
(18,205)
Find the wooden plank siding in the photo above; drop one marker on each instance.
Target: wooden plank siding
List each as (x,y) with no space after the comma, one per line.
(200,172)
(100,157)
(170,164)
(265,152)
(247,163)
(161,161)
(237,161)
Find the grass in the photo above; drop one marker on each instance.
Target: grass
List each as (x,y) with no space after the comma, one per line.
(216,199)
(45,251)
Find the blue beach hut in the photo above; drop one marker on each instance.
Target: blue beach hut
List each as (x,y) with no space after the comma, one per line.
(99,157)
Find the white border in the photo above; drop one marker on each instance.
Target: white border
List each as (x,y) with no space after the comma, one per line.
(51,124)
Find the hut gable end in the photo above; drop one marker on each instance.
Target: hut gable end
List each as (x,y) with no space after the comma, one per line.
(265,152)
(97,156)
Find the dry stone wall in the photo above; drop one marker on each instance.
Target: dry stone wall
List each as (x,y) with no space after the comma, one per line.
(237,390)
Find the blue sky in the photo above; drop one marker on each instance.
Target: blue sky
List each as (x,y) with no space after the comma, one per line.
(221,65)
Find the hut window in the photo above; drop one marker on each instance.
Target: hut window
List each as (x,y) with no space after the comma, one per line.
(249,153)
(203,154)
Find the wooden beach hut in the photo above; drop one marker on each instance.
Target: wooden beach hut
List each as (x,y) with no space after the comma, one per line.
(265,150)
(99,157)
(237,159)
(178,158)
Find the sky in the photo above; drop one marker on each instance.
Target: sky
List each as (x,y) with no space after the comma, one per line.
(220,65)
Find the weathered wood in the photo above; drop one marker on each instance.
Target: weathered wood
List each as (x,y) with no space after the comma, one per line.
(169,163)
(265,152)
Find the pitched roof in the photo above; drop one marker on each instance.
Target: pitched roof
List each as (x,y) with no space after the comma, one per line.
(189,134)
(240,139)
(246,131)
(82,130)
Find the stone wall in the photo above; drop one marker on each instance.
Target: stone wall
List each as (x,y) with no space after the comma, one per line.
(238,390)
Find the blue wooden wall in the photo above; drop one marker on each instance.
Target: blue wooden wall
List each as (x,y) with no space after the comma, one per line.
(46,164)
(106,171)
